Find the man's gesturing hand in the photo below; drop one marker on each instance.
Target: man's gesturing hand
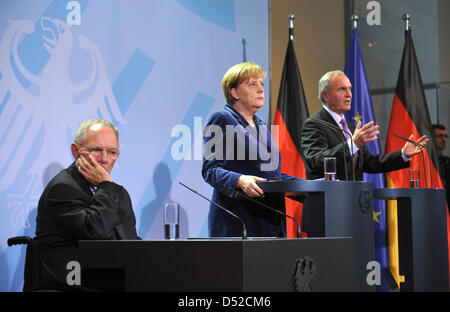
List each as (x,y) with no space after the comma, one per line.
(410,150)
(365,134)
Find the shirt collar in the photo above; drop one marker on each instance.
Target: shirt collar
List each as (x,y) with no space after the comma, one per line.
(337,118)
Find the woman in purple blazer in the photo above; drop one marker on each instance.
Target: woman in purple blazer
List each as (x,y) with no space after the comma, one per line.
(239,151)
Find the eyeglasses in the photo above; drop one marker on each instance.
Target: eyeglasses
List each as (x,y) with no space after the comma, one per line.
(97,151)
(441,136)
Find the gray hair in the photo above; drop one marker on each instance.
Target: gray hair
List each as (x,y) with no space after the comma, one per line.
(81,133)
(323,82)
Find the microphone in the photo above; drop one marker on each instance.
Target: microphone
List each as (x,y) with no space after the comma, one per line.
(237,193)
(244,228)
(334,127)
(407,140)
(423,159)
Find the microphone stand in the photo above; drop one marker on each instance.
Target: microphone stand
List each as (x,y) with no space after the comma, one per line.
(237,193)
(436,161)
(244,228)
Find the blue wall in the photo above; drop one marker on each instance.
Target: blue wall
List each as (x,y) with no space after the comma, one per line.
(153,67)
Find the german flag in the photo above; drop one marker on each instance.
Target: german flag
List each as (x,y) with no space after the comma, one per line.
(409,115)
(290,115)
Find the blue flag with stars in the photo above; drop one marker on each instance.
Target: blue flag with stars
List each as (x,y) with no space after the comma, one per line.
(361,109)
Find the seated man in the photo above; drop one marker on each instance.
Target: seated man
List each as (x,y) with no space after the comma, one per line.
(82,202)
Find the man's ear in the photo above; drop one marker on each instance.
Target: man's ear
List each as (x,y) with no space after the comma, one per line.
(74,149)
(324,95)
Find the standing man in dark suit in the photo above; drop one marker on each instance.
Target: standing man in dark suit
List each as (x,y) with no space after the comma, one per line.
(328,134)
(81,203)
(440,140)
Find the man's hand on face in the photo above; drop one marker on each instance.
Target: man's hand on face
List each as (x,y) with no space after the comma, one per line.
(91,169)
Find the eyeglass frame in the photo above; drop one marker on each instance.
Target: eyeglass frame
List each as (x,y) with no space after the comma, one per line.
(99,151)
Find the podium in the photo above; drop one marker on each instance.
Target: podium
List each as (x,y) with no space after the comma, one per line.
(338,209)
(217,265)
(422,237)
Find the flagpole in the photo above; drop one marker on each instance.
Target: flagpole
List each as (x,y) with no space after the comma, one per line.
(354,20)
(290,114)
(406,18)
(291,18)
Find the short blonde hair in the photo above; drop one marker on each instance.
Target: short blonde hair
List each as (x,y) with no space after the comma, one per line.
(238,74)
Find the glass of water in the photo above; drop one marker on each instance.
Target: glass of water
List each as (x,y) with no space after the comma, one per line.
(329,168)
(171,221)
(414,178)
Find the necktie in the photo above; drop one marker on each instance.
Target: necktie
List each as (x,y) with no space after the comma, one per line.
(94,189)
(348,136)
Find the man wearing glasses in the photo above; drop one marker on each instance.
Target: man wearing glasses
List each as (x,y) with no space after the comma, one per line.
(82,203)
(440,140)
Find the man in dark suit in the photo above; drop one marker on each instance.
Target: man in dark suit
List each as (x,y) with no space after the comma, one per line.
(440,140)
(328,134)
(81,203)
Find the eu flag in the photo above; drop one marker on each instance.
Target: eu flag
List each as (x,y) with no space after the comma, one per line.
(362,110)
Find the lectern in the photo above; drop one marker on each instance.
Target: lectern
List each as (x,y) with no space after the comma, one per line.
(422,237)
(340,209)
(224,265)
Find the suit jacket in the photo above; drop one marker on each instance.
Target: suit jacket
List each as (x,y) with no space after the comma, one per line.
(444,170)
(69,211)
(319,141)
(233,148)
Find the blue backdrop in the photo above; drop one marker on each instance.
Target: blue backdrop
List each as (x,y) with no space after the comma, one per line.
(152,67)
